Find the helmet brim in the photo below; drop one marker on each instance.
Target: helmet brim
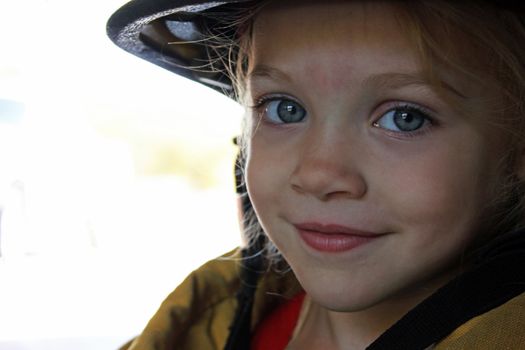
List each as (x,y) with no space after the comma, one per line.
(168,33)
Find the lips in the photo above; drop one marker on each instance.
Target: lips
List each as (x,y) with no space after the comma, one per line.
(333,238)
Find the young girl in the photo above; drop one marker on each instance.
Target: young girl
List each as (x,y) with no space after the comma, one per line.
(384,163)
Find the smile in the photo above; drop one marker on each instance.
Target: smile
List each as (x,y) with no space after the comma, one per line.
(333,238)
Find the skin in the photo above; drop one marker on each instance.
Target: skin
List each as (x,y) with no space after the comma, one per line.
(422,192)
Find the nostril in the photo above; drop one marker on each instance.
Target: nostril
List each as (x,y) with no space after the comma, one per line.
(342,195)
(297,188)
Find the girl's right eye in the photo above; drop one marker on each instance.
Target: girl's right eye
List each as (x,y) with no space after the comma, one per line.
(282,111)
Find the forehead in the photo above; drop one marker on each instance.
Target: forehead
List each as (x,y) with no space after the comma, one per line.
(331,39)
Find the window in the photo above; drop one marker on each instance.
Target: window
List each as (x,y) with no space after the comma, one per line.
(108,165)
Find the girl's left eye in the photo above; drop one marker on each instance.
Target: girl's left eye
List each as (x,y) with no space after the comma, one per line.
(283,111)
(403,119)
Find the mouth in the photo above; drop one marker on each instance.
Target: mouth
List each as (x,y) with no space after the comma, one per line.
(333,238)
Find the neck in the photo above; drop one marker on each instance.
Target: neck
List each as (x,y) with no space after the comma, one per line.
(326,329)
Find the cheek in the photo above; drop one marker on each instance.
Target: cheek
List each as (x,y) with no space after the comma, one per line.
(444,189)
(267,175)
(262,178)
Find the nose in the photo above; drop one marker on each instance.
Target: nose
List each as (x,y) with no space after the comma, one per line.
(328,168)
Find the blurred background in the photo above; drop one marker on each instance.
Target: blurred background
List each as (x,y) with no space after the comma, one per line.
(116,179)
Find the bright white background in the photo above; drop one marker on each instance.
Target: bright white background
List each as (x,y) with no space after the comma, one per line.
(115,180)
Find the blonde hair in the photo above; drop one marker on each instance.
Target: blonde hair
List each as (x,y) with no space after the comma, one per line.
(487,47)
(483,30)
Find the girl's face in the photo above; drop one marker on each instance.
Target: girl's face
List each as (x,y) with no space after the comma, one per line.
(369,183)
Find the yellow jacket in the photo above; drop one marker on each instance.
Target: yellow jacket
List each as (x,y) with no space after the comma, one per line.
(197,315)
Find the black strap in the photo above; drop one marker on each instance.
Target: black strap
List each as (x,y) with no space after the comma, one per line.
(251,268)
(240,330)
(497,276)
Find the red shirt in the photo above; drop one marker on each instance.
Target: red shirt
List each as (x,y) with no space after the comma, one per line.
(276,330)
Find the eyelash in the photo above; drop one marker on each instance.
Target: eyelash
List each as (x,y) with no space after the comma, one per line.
(261,105)
(424,112)
(259,102)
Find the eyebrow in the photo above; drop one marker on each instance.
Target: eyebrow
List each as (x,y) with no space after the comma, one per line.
(397,80)
(267,72)
(381,80)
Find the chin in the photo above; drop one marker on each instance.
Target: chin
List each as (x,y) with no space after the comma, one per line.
(344,298)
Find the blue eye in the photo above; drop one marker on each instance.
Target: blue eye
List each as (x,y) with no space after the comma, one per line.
(283,111)
(403,119)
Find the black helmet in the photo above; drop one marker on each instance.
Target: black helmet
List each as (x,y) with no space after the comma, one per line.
(170,33)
